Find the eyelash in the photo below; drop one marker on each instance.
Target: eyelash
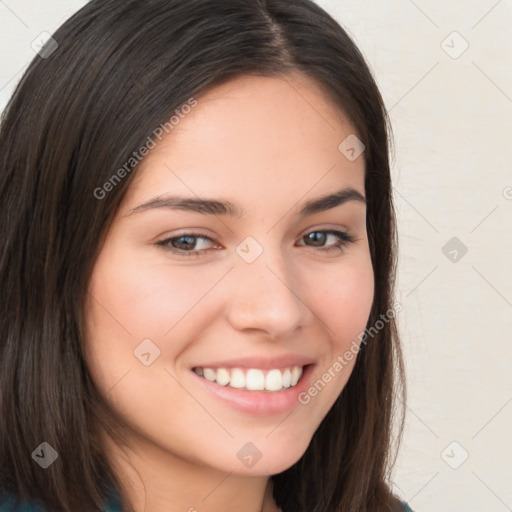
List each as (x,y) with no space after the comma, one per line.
(344,239)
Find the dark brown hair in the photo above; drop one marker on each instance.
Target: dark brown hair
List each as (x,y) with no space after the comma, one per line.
(121,68)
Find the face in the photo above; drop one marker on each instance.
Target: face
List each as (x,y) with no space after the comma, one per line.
(267,287)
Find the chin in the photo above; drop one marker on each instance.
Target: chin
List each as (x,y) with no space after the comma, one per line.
(269,457)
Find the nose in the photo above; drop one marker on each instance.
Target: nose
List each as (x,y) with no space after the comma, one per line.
(266,297)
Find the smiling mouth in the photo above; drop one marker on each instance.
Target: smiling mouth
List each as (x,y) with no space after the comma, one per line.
(253,379)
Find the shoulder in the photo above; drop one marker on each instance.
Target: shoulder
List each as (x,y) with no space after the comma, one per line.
(8,504)
(406,507)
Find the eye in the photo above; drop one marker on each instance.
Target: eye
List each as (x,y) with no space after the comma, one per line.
(343,239)
(186,244)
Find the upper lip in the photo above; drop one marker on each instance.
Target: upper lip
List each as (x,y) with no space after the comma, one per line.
(262,362)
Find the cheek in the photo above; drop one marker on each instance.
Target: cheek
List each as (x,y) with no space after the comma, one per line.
(130,301)
(342,303)
(128,304)
(144,300)
(344,300)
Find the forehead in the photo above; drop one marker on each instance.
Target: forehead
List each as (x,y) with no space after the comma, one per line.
(253,139)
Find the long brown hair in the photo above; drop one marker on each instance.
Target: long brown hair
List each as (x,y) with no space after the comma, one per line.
(121,68)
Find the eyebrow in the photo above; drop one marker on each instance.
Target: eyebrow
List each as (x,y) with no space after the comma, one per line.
(217,207)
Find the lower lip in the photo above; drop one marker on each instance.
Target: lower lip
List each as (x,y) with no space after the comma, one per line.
(260,402)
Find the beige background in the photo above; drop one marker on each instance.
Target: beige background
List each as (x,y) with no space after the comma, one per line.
(451,109)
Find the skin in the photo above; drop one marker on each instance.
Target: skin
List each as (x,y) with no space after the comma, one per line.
(267,145)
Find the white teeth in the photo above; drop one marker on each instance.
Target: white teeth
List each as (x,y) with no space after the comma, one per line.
(296,374)
(274,380)
(287,374)
(237,379)
(209,374)
(222,377)
(253,379)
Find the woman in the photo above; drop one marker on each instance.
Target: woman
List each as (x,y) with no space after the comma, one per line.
(199,254)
